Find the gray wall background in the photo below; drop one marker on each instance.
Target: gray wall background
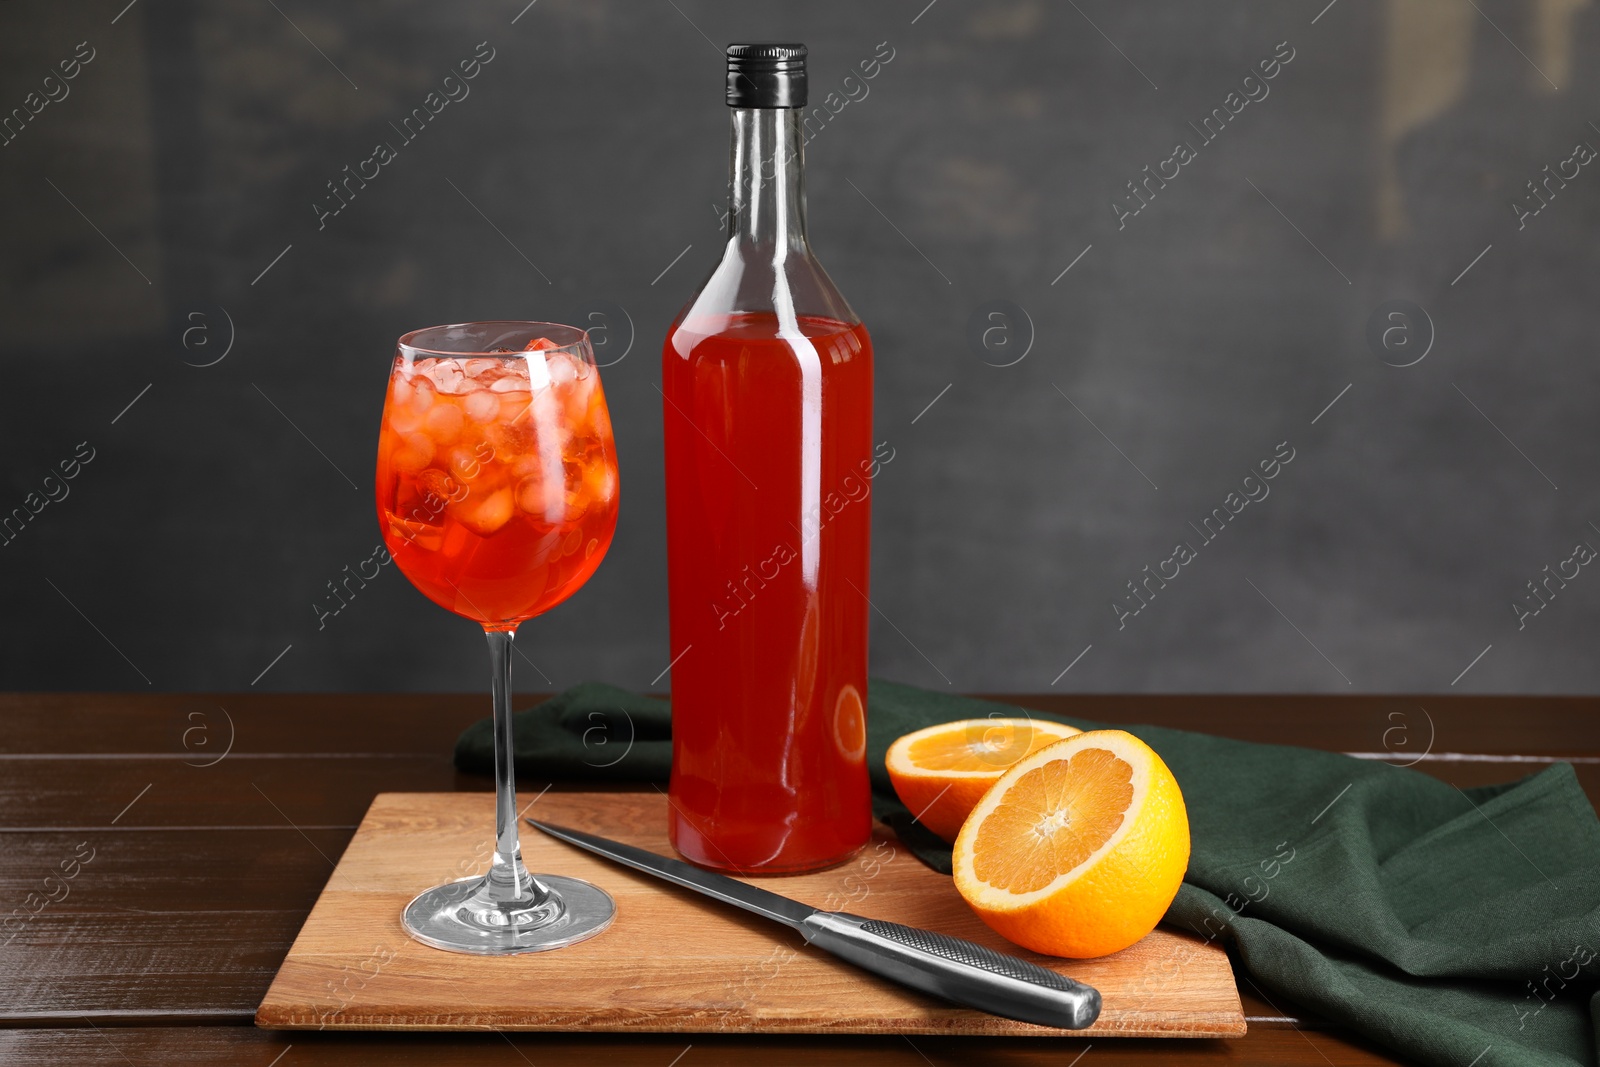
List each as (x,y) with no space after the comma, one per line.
(178,177)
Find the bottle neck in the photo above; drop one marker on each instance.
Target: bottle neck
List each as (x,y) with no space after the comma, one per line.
(766,181)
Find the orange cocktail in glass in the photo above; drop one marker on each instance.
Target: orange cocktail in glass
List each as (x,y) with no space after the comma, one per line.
(497,479)
(497,497)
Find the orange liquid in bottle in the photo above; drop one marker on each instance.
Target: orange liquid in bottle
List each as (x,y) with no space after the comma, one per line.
(497,481)
(769,462)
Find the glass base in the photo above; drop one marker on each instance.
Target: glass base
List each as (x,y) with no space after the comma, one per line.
(460,917)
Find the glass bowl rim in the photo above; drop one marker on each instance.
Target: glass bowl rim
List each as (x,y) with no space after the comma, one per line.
(579,345)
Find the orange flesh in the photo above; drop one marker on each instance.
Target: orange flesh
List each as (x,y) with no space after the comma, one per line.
(1052,819)
(993,747)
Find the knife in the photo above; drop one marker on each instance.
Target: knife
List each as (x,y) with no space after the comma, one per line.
(960,971)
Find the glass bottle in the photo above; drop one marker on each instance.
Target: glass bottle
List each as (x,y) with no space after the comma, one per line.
(767,388)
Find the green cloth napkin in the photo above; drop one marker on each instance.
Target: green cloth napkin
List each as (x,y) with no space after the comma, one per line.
(1459,927)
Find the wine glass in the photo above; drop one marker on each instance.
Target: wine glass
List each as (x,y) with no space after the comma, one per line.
(497,494)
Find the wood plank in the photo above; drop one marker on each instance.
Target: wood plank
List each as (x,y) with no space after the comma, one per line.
(674,961)
(194,727)
(211,860)
(156,925)
(222,870)
(428,723)
(162,872)
(88,792)
(206,1046)
(142,883)
(242,791)
(106,968)
(139,887)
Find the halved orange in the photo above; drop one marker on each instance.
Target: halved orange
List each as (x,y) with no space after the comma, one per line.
(1079,848)
(941,772)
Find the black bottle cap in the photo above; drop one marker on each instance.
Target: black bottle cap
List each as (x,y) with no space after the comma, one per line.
(766,75)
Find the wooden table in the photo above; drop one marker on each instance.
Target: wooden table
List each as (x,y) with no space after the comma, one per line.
(212,821)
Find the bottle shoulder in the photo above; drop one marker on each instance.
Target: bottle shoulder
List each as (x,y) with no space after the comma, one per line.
(752,279)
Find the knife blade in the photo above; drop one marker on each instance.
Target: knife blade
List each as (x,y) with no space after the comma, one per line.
(960,971)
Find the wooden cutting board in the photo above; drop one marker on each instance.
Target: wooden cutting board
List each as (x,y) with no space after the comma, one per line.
(674,961)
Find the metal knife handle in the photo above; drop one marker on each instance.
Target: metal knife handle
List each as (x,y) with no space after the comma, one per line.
(957,970)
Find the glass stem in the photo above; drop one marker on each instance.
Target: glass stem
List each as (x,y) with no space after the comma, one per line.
(509,880)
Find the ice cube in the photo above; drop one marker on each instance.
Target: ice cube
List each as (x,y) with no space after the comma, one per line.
(484,514)
(539,409)
(535,497)
(538,372)
(575,501)
(509,383)
(540,344)
(438,489)
(447,376)
(423,393)
(477,367)
(578,396)
(511,439)
(464,463)
(443,423)
(403,419)
(515,406)
(562,369)
(585,448)
(482,405)
(601,482)
(415,452)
